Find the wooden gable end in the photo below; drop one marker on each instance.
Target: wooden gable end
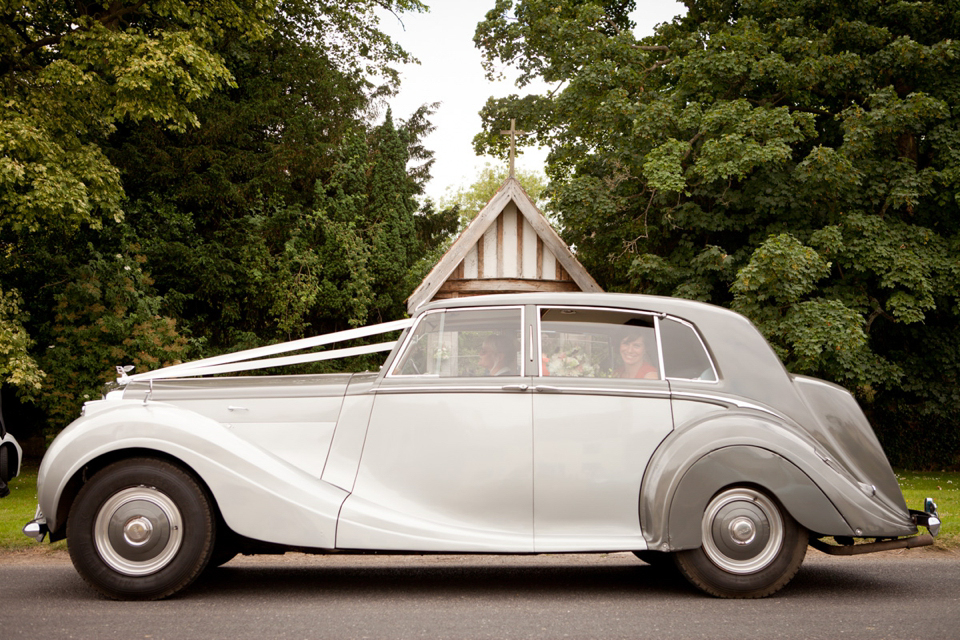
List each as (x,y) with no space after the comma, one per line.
(508,248)
(509,256)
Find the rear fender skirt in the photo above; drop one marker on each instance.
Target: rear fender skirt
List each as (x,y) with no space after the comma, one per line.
(747,466)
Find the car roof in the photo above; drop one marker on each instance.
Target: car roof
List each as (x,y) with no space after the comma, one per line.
(639,302)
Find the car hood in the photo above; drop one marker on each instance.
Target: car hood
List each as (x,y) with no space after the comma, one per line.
(240,387)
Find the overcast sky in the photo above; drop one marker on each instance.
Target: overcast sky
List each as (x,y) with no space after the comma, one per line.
(450,73)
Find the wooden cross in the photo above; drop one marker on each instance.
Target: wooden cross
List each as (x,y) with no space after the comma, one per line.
(513,133)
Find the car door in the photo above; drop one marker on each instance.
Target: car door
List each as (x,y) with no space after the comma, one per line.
(447,461)
(598,415)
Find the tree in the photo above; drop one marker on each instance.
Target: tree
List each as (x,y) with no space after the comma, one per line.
(795,160)
(475,196)
(71,71)
(166,174)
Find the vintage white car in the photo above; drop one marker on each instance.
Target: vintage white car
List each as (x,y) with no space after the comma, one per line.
(10,455)
(541,423)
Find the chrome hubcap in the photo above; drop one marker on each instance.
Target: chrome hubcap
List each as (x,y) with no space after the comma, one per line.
(742,531)
(138,531)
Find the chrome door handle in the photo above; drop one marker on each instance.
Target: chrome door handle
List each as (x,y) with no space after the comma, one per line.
(547,389)
(514,387)
(233,408)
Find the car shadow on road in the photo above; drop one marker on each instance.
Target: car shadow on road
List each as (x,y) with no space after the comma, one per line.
(525,578)
(450,580)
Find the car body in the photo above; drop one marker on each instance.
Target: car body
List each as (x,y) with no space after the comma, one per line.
(10,457)
(498,424)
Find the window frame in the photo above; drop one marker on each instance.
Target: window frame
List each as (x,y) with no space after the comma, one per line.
(634,312)
(657,318)
(703,346)
(399,359)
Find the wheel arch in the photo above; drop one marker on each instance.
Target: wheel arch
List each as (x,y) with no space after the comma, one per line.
(72,486)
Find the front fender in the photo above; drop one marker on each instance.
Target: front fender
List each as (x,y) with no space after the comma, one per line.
(258,495)
(725,448)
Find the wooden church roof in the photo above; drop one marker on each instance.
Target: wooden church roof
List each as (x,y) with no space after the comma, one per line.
(509,247)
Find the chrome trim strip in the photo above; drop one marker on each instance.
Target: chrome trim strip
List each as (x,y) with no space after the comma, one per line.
(612,391)
(640,393)
(740,404)
(493,386)
(661,365)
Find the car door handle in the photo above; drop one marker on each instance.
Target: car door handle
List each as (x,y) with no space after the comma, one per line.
(234,408)
(542,388)
(514,387)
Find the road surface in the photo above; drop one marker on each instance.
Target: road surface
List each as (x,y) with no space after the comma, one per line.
(903,594)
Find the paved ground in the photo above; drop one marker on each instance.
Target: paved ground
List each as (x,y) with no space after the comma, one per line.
(904,594)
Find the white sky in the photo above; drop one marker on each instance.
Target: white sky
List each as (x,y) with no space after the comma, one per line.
(450,73)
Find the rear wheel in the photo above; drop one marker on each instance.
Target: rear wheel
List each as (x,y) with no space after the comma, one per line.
(140,529)
(751,546)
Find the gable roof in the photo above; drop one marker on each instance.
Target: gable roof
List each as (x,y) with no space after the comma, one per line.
(518,262)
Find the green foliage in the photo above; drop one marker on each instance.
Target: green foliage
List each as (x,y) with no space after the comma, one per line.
(944,488)
(17,367)
(794,160)
(70,72)
(229,147)
(472,198)
(105,316)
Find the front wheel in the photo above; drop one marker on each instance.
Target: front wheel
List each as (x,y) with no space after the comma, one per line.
(751,547)
(141,529)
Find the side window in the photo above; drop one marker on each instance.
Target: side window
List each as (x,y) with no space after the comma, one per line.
(463,343)
(598,343)
(683,354)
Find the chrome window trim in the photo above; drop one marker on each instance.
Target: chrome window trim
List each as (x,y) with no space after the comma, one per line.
(413,330)
(438,389)
(663,365)
(606,391)
(703,345)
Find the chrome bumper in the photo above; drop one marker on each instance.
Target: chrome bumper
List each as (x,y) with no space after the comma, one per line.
(927,518)
(36,528)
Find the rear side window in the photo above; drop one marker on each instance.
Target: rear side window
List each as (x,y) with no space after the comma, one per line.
(684,355)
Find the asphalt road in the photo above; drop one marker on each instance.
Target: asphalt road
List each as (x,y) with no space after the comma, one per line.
(905,594)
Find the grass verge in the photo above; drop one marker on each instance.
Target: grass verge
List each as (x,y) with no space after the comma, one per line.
(944,488)
(18,508)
